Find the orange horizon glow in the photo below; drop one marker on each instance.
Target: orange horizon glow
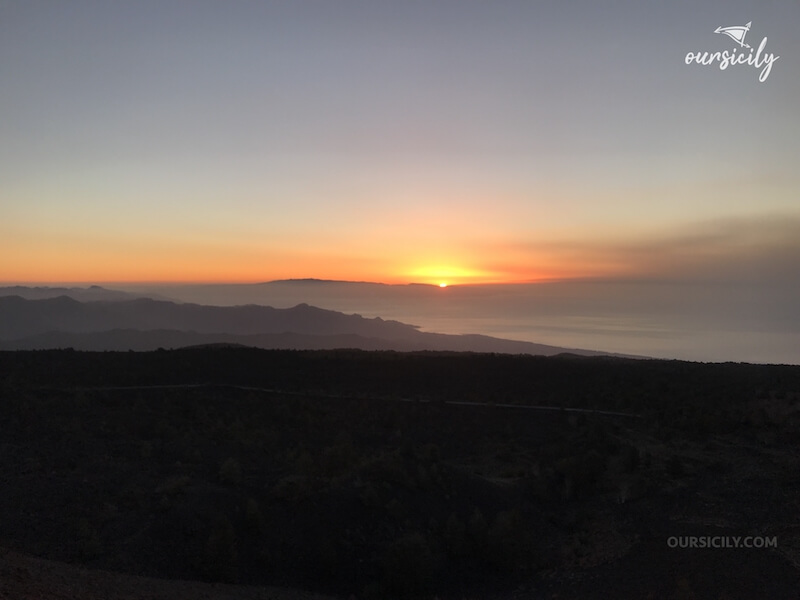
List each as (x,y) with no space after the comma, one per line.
(267,279)
(434,276)
(206,272)
(161,262)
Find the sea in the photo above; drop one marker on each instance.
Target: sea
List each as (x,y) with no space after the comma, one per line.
(695,321)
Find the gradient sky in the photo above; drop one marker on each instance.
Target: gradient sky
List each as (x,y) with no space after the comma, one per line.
(459,141)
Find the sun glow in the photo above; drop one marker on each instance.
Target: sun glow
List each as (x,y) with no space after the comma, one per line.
(444,276)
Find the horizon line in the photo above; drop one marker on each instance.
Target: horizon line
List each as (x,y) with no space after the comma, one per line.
(298,280)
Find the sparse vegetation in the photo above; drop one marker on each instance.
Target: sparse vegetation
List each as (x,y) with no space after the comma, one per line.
(327,478)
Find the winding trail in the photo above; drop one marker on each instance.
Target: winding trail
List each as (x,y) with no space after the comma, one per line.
(248,388)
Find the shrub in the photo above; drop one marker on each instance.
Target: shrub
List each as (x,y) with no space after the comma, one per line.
(455,536)
(88,540)
(222,559)
(478,532)
(509,546)
(230,472)
(409,565)
(254,517)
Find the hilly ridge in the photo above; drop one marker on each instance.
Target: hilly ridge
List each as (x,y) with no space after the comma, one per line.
(147,324)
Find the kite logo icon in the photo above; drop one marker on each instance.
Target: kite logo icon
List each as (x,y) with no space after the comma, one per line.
(756,58)
(736,33)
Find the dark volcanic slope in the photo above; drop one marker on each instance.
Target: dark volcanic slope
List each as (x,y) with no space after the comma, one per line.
(386,475)
(146,324)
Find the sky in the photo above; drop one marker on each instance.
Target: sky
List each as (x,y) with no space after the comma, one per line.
(438,141)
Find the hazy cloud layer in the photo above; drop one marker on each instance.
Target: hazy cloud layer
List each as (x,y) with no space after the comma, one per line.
(758,250)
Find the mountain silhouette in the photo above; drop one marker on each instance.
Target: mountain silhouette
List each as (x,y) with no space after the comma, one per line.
(87,294)
(147,324)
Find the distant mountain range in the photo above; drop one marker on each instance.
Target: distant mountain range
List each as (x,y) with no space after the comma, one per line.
(99,319)
(87,294)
